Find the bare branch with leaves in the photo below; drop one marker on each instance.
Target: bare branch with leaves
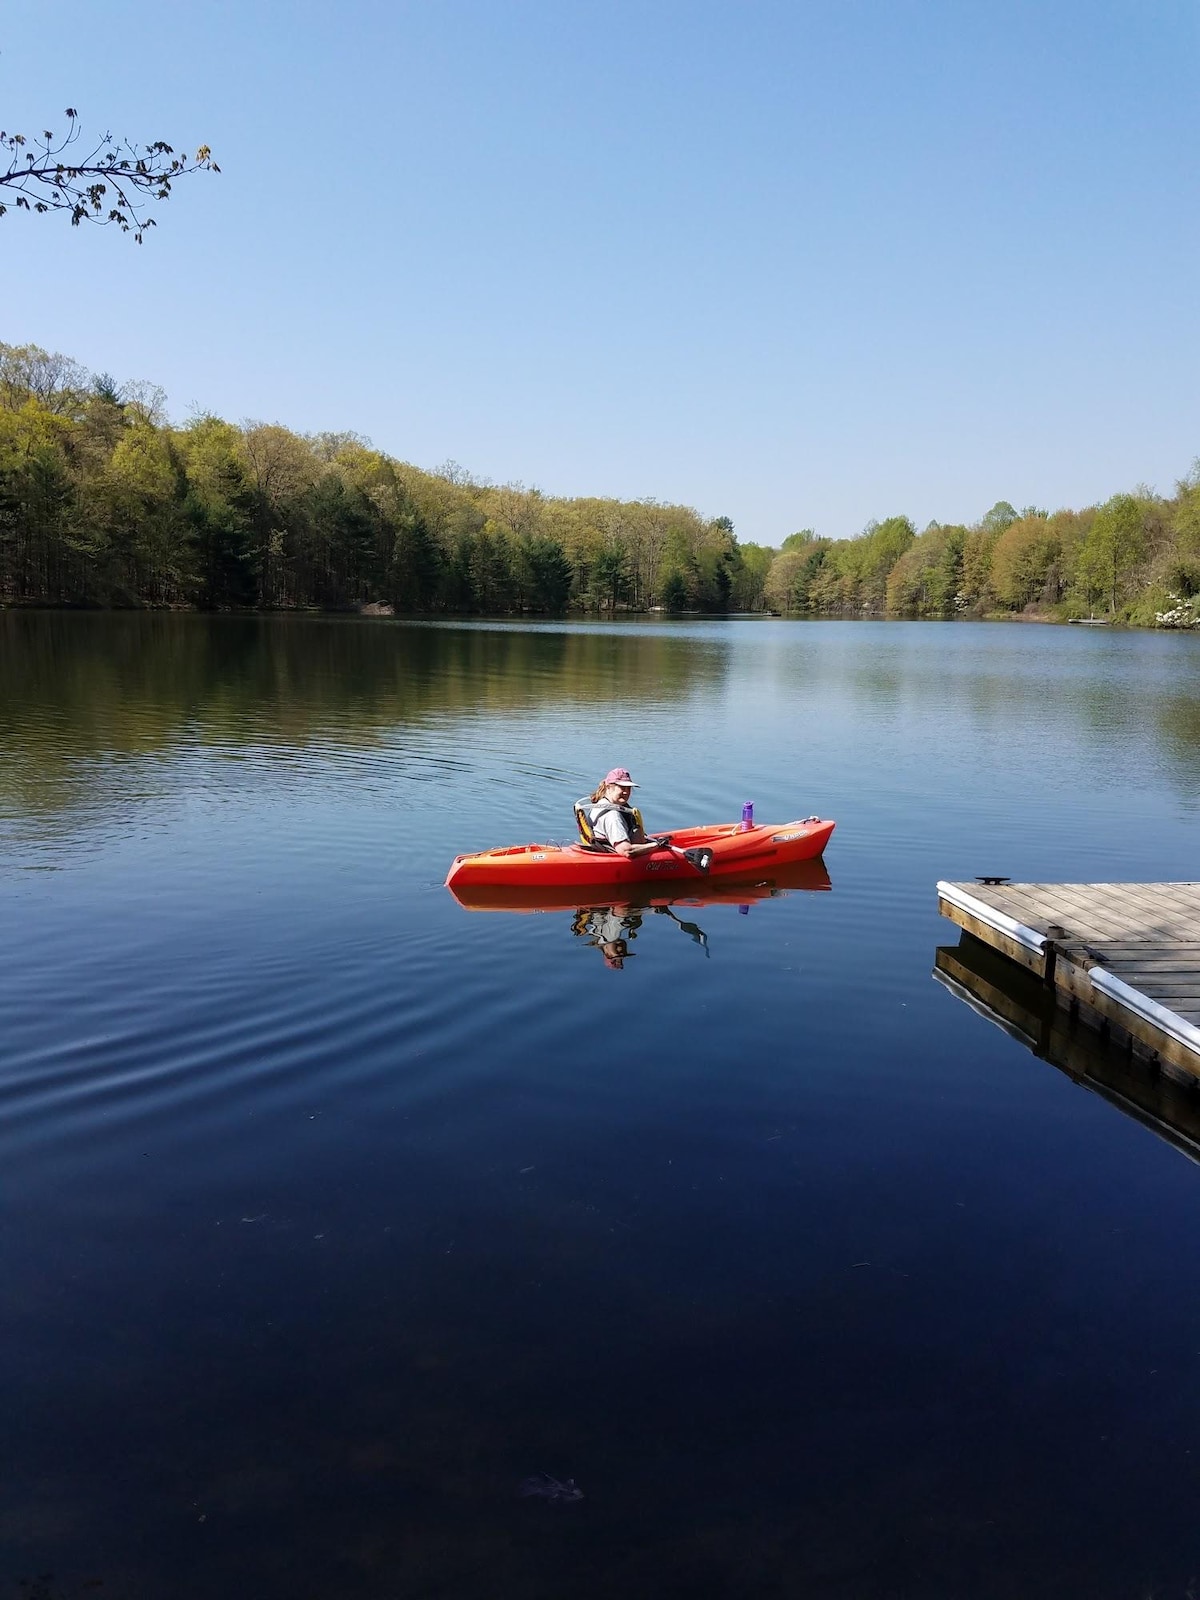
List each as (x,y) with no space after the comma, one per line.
(114,182)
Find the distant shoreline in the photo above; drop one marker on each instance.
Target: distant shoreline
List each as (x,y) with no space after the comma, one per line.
(378,612)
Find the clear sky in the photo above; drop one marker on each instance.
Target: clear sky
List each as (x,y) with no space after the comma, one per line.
(800,264)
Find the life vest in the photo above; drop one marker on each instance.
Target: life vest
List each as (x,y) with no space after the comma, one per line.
(588,812)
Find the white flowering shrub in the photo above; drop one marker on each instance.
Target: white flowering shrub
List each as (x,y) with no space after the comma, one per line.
(1182,613)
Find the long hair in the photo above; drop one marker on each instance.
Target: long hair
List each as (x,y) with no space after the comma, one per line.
(599,793)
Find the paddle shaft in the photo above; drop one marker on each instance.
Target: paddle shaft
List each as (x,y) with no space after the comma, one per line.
(700,859)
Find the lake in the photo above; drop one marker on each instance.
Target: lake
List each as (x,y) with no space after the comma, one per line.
(333,1211)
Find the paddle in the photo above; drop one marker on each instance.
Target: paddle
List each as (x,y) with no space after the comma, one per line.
(699,856)
(692,929)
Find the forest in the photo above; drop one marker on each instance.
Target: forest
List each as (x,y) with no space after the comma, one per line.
(106,503)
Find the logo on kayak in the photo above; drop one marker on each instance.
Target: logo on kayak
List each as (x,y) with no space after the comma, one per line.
(538,855)
(782,838)
(659,866)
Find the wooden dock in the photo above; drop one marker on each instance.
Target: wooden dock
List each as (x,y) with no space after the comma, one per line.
(1123,957)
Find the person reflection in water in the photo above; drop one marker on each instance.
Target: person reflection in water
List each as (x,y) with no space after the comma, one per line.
(609,930)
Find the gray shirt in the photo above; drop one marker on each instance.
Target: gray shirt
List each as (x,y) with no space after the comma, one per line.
(611,825)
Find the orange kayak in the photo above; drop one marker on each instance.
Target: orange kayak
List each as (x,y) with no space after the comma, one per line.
(772,882)
(730,852)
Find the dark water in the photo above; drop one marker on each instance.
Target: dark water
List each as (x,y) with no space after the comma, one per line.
(331,1211)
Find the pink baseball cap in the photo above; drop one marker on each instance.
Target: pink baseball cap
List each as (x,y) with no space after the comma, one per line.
(620,776)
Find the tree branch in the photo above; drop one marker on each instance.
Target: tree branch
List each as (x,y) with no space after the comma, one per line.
(113,183)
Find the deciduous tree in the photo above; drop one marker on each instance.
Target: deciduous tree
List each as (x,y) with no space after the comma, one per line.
(1114,545)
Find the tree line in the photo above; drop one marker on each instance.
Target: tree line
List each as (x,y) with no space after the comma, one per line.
(104,502)
(1136,558)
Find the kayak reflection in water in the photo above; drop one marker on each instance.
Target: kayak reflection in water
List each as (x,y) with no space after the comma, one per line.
(610,928)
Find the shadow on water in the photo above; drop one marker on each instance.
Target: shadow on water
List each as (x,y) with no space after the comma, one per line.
(1024,1007)
(610,926)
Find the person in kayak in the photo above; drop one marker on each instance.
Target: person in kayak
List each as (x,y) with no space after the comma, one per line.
(614,821)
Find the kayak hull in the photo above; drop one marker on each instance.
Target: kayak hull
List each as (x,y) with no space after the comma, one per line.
(803,876)
(734,853)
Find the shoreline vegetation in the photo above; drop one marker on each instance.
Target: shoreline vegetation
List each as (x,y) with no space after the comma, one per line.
(106,504)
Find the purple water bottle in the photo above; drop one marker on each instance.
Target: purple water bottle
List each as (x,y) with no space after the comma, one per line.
(747,816)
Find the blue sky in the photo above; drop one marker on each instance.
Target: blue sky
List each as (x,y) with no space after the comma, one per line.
(797,264)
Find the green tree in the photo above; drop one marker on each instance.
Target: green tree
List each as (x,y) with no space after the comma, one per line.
(491,573)
(927,576)
(750,576)
(1023,559)
(674,593)
(976,588)
(799,541)
(280,470)
(40,559)
(1115,543)
(218,512)
(779,590)
(339,553)
(130,522)
(549,575)
(998,518)
(1185,534)
(54,382)
(857,570)
(610,571)
(415,568)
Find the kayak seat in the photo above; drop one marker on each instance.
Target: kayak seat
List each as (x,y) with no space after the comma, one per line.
(587,834)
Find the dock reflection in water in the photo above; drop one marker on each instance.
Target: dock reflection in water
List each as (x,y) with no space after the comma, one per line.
(1022,1005)
(611,926)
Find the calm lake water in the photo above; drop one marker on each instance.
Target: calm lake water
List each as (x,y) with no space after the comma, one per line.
(332,1210)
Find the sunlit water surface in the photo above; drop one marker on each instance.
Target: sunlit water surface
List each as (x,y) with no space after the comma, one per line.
(332,1210)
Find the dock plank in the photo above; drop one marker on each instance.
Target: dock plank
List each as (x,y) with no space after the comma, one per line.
(1021,908)
(1149,955)
(1126,915)
(1083,916)
(1148,941)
